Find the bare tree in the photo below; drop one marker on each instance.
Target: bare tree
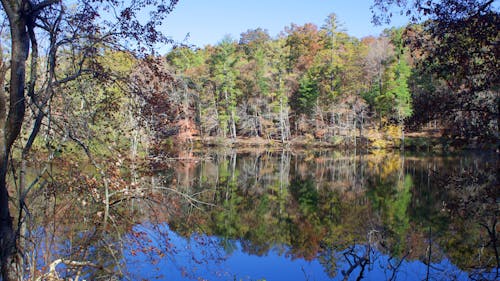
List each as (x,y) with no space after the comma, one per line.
(81,31)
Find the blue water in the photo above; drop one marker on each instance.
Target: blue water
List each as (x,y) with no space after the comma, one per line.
(202,257)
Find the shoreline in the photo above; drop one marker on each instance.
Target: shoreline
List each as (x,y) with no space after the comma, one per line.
(417,143)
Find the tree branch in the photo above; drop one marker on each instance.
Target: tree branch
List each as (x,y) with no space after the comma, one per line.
(36,9)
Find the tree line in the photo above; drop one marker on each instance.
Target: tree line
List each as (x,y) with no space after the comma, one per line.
(321,84)
(308,80)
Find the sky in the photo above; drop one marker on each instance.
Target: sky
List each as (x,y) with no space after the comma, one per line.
(208,21)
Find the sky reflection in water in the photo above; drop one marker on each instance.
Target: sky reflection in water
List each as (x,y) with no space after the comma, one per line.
(201,257)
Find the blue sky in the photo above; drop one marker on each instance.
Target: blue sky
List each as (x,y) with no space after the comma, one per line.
(208,21)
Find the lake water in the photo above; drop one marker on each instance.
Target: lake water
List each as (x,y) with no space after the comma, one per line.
(297,215)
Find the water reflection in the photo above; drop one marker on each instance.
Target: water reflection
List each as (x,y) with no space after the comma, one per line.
(341,209)
(206,258)
(313,216)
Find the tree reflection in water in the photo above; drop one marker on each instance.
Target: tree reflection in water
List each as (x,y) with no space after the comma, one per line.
(384,216)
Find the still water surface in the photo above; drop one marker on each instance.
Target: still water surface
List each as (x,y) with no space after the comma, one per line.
(317,216)
(326,216)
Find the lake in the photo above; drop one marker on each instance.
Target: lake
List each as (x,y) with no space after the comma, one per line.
(293,215)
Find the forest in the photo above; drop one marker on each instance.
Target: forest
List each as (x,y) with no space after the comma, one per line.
(84,90)
(319,85)
(316,84)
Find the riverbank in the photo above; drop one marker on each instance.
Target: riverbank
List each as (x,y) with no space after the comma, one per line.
(423,141)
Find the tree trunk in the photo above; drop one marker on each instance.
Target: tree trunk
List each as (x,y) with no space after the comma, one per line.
(282,122)
(233,125)
(7,234)
(10,127)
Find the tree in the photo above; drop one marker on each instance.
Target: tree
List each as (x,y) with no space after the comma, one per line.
(304,43)
(380,51)
(79,30)
(253,40)
(394,100)
(224,74)
(458,37)
(456,45)
(333,30)
(280,104)
(253,82)
(304,100)
(440,10)
(402,71)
